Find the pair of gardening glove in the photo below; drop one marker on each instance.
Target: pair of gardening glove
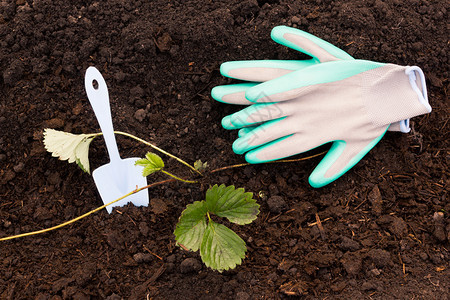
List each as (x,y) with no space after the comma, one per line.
(297,105)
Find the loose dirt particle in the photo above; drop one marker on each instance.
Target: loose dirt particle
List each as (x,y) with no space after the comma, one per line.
(352,264)
(190,265)
(276,204)
(381,258)
(376,200)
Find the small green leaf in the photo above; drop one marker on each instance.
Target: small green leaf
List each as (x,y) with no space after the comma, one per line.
(234,204)
(221,248)
(155,159)
(199,166)
(152,163)
(191,226)
(68,146)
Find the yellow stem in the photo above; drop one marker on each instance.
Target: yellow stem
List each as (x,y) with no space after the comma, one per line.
(269,162)
(178,178)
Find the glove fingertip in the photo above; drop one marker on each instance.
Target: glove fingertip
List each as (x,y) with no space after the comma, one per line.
(340,158)
(251,157)
(318,177)
(226,123)
(225,68)
(240,146)
(317,182)
(277,32)
(217,93)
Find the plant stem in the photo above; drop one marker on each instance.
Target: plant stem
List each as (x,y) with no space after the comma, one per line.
(159,149)
(178,178)
(86,214)
(269,162)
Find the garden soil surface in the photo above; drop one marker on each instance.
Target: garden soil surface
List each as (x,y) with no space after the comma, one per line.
(384,226)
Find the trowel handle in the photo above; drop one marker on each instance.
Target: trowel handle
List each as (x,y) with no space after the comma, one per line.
(97,92)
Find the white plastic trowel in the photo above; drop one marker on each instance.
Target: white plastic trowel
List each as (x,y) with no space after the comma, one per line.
(119,176)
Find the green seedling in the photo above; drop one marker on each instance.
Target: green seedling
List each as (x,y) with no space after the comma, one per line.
(153,163)
(220,247)
(200,166)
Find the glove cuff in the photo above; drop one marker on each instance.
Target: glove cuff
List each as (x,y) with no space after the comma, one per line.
(418,84)
(400,126)
(393,94)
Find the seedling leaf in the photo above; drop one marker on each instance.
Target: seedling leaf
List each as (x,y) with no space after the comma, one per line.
(152,163)
(199,166)
(234,204)
(191,226)
(221,248)
(68,146)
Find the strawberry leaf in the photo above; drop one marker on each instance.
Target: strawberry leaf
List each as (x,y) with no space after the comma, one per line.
(234,204)
(68,146)
(221,248)
(191,226)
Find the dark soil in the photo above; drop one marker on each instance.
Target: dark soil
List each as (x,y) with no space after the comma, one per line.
(385,224)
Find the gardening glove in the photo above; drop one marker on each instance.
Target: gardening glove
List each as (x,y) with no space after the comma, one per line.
(348,102)
(264,70)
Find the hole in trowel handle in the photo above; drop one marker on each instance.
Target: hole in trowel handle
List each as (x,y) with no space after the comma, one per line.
(95,84)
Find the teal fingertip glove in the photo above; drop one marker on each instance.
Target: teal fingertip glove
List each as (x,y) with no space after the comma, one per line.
(350,103)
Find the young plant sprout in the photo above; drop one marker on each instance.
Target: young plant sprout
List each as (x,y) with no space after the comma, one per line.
(220,247)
